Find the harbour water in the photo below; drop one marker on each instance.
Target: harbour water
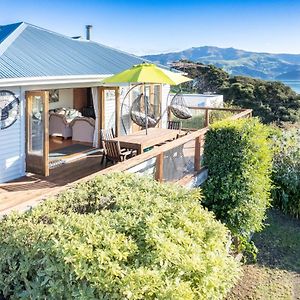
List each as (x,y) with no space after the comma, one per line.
(294,84)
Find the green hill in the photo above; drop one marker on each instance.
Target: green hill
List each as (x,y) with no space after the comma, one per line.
(238,62)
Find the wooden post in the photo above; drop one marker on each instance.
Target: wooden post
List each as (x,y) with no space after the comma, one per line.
(100,114)
(46,133)
(169,114)
(159,167)
(206,117)
(151,93)
(80,98)
(160,104)
(197,155)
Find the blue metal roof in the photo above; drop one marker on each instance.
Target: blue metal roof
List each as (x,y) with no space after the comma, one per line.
(37,52)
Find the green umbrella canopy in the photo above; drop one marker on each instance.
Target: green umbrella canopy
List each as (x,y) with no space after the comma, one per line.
(147,73)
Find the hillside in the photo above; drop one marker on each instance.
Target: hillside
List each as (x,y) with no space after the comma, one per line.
(239,62)
(272,101)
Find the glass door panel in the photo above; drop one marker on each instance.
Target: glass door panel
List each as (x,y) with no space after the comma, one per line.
(36,136)
(37,146)
(110,109)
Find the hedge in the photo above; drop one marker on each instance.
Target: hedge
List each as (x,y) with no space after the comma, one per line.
(117,237)
(238,156)
(286,173)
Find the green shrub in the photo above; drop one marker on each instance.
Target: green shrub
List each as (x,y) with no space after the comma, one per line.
(286,173)
(117,237)
(238,156)
(218,115)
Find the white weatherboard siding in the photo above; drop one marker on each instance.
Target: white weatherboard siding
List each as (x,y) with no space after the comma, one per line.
(110,110)
(165,99)
(12,145)
(125,121)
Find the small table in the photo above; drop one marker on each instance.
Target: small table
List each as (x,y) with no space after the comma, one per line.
(140,141)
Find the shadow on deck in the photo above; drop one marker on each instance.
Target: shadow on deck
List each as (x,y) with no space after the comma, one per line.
(21,192)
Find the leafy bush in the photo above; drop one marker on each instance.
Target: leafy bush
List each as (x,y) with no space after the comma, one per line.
(272,101)
(117,237)
(218,115)
(286,173)
(238,156)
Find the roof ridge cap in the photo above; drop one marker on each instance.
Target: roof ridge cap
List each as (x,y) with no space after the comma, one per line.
(78,41)
(50,31)
(85,41)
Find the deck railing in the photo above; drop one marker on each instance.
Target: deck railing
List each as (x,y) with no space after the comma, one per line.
(180,159)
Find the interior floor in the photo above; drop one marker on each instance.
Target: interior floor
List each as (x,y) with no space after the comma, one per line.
(56,142)
(64,151)
(60,147)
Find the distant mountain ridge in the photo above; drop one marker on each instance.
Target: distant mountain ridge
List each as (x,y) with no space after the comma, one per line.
(239,62)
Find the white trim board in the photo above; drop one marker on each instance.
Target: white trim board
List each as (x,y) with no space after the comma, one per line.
(53,80)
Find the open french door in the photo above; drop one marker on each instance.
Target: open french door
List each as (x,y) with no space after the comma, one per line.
(37,133)
(109,109)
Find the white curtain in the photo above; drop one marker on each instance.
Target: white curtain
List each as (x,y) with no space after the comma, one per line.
(96,109)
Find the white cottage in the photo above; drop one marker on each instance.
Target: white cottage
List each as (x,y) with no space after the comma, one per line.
(51,98)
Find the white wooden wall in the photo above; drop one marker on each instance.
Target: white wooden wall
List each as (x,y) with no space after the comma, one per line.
(127,123)
(65,99)
(12,144)
(165,99)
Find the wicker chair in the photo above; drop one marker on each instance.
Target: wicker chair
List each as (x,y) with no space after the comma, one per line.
(59,126)
(83,129)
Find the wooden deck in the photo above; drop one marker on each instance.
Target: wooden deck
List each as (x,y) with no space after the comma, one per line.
(29,190)
(26,191)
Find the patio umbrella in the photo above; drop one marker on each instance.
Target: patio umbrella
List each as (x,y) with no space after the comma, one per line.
(147,73)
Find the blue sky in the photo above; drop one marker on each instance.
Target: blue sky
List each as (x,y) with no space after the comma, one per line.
(143,27)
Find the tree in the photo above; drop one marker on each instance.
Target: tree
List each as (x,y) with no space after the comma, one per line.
(272,101)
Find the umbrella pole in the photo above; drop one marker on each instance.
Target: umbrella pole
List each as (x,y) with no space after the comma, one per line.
(146,109)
